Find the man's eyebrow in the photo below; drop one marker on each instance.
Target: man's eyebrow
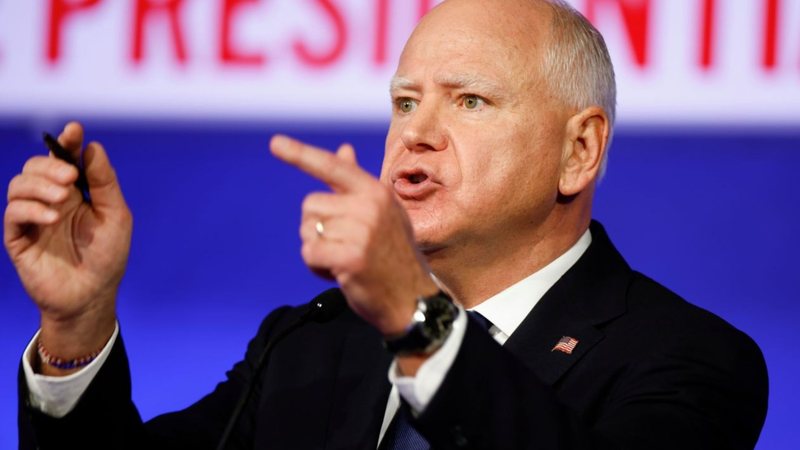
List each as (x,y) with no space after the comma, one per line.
(455,81)
(399,83)
(469,81)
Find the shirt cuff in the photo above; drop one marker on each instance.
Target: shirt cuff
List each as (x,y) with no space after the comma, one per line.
(57,396)
(419,390)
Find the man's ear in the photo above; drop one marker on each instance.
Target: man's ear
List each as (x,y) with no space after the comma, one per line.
(584,148)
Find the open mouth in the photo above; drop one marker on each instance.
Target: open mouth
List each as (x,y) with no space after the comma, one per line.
(416,178)
(414,183)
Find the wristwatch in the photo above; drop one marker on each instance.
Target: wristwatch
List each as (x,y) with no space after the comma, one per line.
(432,322)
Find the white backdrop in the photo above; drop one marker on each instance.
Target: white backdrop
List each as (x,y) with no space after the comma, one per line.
(678,61)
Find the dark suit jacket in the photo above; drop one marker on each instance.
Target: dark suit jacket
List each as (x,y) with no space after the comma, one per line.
(650,371)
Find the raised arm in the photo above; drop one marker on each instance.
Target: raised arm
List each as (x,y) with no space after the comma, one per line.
(70,255)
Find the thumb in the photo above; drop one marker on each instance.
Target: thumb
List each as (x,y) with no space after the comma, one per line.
(103,185)
(346,152)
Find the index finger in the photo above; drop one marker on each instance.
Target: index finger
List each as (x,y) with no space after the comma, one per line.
(338,173)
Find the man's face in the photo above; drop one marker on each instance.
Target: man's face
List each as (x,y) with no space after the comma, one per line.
(474,147)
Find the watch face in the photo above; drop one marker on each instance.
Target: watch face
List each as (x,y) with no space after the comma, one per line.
(439,317)
(432,324)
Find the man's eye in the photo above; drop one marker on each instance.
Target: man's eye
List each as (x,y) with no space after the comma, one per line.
(406,105)
(472,102)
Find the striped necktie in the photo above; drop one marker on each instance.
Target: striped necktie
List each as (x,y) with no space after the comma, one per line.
(403,436)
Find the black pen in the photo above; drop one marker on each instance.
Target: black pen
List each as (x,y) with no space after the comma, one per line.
(64,155)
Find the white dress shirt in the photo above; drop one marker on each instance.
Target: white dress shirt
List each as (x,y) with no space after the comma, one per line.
(57,396)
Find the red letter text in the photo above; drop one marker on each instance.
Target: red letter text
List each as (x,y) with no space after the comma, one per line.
(59,10)
(379,55)
(636,17)
(340,41)
(771,14)
(228,53)
(708,33)
(145,10)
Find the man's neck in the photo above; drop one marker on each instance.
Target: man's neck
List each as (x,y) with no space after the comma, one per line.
(474,274)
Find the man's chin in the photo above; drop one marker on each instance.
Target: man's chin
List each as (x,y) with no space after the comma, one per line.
(429,250)
(429,247)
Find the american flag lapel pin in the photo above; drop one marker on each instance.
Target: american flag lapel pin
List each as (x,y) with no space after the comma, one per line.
(566,345)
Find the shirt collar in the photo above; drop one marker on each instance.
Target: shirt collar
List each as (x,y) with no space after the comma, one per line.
(508,308)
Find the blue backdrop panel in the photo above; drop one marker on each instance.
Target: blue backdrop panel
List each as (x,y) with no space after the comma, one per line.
(215,248)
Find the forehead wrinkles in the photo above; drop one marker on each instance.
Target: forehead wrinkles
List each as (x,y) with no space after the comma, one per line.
(454,81)
(469,61)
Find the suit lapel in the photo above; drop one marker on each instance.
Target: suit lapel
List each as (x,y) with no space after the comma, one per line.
(535,348)
(591,293)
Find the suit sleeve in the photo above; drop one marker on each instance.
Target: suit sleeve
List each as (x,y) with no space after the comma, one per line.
(679,397)
(106,417)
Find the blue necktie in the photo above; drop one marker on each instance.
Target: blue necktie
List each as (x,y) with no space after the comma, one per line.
(403,436)
(482,321)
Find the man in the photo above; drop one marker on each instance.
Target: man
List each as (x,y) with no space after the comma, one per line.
(502,113)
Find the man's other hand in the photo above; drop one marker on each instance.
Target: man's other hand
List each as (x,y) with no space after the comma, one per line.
(69,254)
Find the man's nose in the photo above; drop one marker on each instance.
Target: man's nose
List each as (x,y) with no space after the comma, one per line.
(425,131)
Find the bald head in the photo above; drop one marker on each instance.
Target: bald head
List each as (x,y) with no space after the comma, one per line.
(513,32)
(548,42)
(512,18)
